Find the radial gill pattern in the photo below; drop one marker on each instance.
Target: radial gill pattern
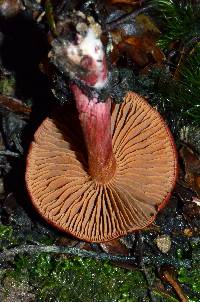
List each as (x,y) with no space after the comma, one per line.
(67,197)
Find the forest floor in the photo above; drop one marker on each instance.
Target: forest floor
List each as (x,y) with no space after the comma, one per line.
(39,263)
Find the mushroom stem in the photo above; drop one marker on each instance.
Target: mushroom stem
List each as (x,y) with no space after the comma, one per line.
(87,57)
(83,59)
(95,118)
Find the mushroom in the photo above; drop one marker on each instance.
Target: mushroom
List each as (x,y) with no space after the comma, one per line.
(126,173)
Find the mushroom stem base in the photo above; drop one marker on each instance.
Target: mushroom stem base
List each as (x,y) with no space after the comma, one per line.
(102,172)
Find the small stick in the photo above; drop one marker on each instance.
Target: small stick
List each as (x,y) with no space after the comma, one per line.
(162,294)
(14,105)
(9,153)
(143,268)
(125,18)
(168,276)
(184,53)
(31,249)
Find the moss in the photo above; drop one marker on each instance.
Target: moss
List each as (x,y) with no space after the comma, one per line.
(190,77)
(180,20)
(164,297)
(6,236)
(176,99)
(5,232)
(64,279)
(7,85)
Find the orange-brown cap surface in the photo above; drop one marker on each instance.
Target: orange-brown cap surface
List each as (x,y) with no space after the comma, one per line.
(65,194)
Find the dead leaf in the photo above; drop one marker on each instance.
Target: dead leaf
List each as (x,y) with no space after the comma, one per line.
(191,212)
(146,25)
(117,35)
(142,50)
(188,232)
(115,247)
(66,241)
(192,168)
(84,246)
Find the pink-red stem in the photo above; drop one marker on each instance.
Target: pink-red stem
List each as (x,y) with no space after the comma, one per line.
(95,118)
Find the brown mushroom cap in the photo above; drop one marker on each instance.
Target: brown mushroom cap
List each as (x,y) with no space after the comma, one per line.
(65,194)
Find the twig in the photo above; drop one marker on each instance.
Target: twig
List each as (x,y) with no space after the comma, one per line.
(14,105)
(162,294)
(125,18)
(31,249)
(9,153)
(168,276)
(143,268)
(184,53)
